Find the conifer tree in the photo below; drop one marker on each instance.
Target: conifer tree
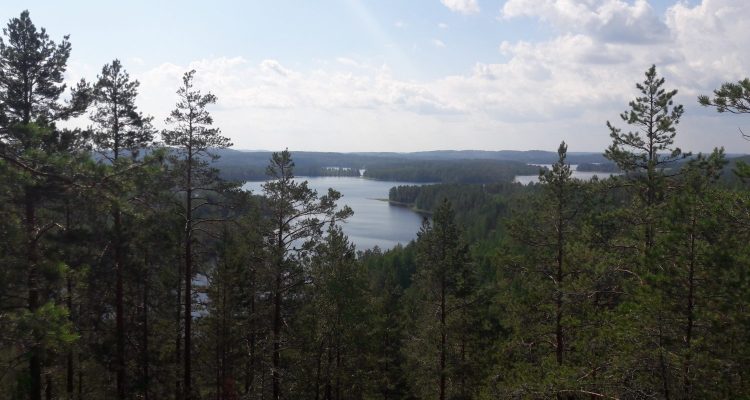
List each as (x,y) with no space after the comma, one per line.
(444,286)
(43,158)
(545,281)
(297,218)
(646,152)
(336,319)
(119,127)
(733,98)
(192,139)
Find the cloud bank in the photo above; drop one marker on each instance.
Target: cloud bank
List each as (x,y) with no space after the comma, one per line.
(563,87)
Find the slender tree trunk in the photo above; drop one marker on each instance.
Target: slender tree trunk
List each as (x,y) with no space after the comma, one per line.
(70,374)
(178,338)
(275,363)
(188,277)
(277,300)
(559,339)
(386,367)
(250,373)
(49,390)
(687,383)
(443,339)
(318,370)
(338,371)
(80,378)
(119,308)
(663,361)
(69,384)
(559,292)
(146,355)
(35,365)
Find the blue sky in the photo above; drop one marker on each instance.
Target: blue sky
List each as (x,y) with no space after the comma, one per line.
(397,75)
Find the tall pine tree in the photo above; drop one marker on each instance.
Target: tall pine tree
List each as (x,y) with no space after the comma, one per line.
(192,138)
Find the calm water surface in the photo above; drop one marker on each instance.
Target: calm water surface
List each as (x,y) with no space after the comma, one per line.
(584,176)
(375,222)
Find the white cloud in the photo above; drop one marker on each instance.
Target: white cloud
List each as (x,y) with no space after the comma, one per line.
(399,24)
(443,25)
(608,20)
(462,6)
(438,43)
(564,87)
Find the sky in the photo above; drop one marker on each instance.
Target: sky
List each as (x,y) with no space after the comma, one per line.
(412,75)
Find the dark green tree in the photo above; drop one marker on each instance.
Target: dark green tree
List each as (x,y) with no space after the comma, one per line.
(445,289)
(192,137)
(44,160)
(732,98)
(297,218)
(546,287)
(334,324)
(118,127)
(646,153)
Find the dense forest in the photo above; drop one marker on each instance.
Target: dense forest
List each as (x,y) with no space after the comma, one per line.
(130,270)
(453,171)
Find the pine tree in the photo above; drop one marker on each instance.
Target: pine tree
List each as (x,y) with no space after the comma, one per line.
(646,153)
(192,139)
(336,321)
(444,286)
(297,217)
(733,98)
(119,127)
(546,281)
(43,158)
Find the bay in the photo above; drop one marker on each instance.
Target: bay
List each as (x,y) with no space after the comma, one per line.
(375,222)
(582,175)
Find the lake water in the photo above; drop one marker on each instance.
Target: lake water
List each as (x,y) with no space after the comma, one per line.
(375,222)
(584,176)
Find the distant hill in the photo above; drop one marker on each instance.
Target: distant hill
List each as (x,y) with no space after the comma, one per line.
(527,156)
(243,165)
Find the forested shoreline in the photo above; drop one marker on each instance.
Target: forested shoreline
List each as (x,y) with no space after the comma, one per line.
(130,270)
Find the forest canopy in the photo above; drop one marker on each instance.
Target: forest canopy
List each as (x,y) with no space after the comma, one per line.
(131,267)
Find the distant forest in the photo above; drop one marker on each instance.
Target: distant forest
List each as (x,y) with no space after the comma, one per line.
(130,269)
(431,166)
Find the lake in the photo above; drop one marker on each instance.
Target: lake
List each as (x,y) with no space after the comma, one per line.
(584,176)
(375,222)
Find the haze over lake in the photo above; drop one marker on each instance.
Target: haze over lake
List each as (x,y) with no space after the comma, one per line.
(375,222)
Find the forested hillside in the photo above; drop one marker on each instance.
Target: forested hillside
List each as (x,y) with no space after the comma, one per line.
(130,270)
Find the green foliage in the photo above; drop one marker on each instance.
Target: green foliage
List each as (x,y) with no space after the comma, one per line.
(655,118)
(149,277)
(733,98)
(119,125)
(730,97)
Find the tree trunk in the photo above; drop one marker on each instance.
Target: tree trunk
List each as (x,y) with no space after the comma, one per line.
(275,377)
(178,338)
(687,383)
(69,385)
(187,392)
(443,339)
(119,307)
(35,365)
(146,355)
